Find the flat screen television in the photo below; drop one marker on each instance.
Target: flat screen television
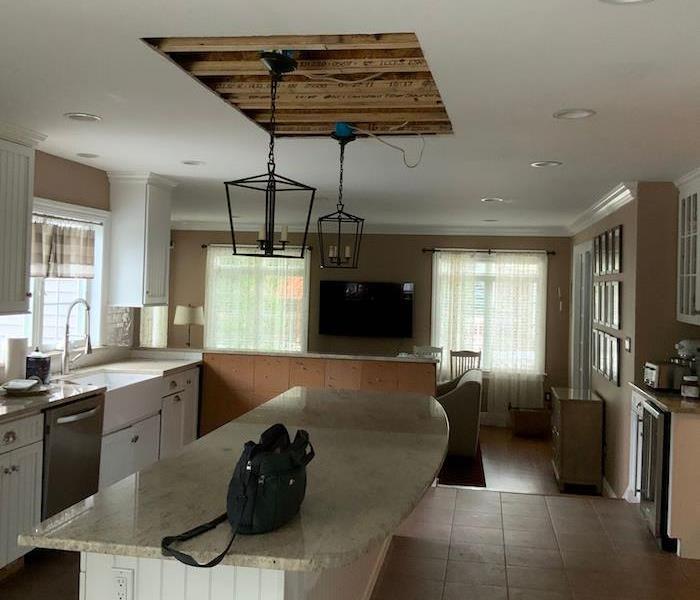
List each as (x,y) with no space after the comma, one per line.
(366,309)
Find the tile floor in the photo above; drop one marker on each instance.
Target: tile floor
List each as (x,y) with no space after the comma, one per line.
(464,544)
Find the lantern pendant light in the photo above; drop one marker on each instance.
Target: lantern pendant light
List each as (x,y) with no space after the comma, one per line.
(340,233)
(271,183)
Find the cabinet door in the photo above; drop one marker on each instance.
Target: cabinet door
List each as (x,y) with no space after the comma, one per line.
(157,258)
(191,400)
(688,283)
(25,495)
(16,192)
(6,515)
(172,422)
(146,442)
(117,458)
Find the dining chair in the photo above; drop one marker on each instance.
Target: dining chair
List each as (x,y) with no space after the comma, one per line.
(462,361)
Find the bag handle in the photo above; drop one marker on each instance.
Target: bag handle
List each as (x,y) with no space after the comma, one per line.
(302,448)
(241,501)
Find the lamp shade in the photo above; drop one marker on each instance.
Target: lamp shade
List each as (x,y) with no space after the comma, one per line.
(188,315)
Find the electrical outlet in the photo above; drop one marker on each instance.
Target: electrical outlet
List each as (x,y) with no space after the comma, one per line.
(123,580)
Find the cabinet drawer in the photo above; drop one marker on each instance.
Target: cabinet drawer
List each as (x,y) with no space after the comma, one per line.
(173,384)
(178,382)
(21,432)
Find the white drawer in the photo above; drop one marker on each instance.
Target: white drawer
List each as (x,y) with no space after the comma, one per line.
(174,384)
(21,432)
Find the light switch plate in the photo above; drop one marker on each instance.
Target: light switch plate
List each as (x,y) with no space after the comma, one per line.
(628,344)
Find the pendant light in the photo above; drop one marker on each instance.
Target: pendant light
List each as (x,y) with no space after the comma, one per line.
(340,233)
(271,183)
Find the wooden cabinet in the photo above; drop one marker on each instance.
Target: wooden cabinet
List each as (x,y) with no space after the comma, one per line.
(140,252)
(20,491)
(233,384)
(16,196)
(129,450)
(577,437)
(688,286)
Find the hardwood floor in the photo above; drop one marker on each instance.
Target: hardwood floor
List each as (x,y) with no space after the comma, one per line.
(517,464)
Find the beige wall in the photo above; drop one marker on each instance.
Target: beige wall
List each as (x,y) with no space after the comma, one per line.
(648,308)
(68,181)
(384,258)
(616,398)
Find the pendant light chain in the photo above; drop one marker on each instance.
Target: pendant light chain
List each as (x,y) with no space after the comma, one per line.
(340,183)
(274,80)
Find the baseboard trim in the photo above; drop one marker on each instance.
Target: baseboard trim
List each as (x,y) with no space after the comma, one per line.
(608,491)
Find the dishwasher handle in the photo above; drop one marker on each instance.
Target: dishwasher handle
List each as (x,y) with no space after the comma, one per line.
(86,414)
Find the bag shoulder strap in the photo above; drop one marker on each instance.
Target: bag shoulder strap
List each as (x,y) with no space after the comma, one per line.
(168,541)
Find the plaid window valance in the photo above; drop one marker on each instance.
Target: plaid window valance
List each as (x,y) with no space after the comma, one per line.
(62,249)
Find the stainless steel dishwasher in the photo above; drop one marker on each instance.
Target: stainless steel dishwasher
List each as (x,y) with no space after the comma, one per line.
(72,443)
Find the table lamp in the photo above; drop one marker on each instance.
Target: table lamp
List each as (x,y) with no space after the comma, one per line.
(188,315)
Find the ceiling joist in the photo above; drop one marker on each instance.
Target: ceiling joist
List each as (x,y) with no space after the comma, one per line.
(382,81)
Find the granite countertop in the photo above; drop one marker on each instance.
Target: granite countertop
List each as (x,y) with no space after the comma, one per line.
(414,359)
(376,454)
(14,407)
(670,401)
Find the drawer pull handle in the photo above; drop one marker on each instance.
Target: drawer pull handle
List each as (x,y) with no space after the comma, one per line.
(6,471)
(10,437)
(173,384)
(177,398)
(14,468)
(134,439)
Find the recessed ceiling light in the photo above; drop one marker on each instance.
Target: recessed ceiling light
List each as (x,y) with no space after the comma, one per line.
(492,199)
(87,155)
(81,116)
(574,113)
(626,1)
(539,164)
(192,163)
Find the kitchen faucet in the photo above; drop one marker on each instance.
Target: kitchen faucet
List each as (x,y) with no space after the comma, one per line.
(66,359)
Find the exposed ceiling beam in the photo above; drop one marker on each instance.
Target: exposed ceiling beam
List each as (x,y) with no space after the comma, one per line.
(400,86)
(325,129)
(369,116)
(383,41)
(336,66)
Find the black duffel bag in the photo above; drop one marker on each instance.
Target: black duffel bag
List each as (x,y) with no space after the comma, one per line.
(265,492)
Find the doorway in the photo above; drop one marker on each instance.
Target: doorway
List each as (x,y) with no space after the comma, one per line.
(581,318)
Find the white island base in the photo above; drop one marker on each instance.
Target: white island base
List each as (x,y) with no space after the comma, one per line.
(167,579)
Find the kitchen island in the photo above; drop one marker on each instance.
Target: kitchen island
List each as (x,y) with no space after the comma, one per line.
(376,454)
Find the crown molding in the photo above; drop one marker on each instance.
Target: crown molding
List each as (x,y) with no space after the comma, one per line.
(65,209)
(688,178)
(615,199)
(20,135)
(144,177)
(553,231)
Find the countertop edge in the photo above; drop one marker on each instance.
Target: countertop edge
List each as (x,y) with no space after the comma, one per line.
(668,401)
(40,407)
(324,355)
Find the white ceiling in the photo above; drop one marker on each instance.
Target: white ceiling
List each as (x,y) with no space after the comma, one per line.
(502,66)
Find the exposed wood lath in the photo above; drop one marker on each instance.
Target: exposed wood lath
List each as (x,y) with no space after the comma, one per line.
(397,97)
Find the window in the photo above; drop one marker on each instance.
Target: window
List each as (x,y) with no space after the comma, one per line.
(495,303)
(153,331)
(254,303)
(67,249)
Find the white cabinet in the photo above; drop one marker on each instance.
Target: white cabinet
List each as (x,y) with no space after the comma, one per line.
(179,416)
(16,191)
(140,253)
(20,486)
(688,288)
(129,450)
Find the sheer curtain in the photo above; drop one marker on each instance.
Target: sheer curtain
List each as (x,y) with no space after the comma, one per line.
(495,303)
(254,303)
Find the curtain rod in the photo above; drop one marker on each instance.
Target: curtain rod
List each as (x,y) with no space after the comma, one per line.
(247,246)
(489,251)
(69,219)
